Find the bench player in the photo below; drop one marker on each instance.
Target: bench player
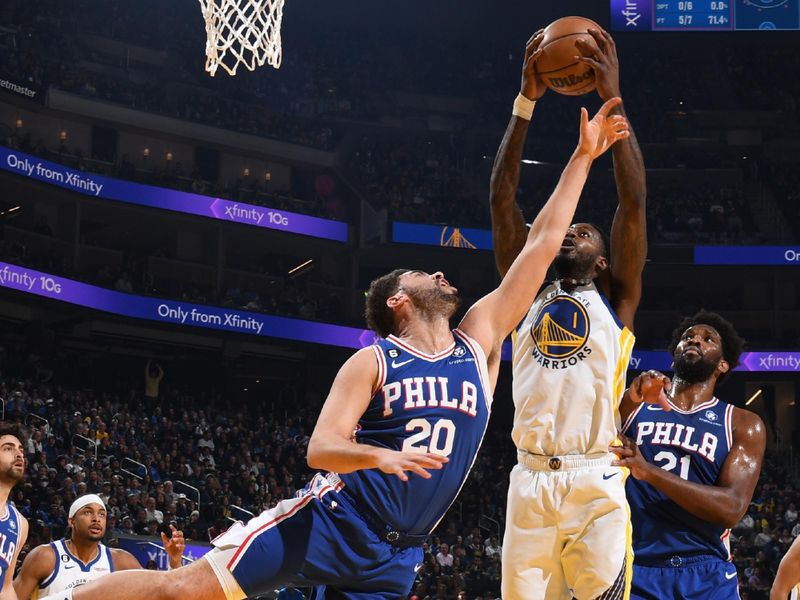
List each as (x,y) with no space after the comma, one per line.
(67,563)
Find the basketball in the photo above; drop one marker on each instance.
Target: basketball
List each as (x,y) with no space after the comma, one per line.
(557,66)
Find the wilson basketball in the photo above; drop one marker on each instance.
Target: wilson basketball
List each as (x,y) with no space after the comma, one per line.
(557,66)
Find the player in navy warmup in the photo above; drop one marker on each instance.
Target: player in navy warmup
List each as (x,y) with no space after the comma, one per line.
(694,467)
(398,434)
(13,526)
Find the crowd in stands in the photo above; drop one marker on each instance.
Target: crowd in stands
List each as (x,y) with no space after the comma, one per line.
(268,291)
(307,196)
(762,537)
(159,438)
(784,181)
(417,176)
(146,454)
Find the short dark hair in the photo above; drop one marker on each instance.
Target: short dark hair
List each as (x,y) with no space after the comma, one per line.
(15,429)
(380,317)
(732,343)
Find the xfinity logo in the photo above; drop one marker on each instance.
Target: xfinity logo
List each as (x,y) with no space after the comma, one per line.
(631,13)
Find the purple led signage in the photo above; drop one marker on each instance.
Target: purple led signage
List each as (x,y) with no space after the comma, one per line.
(212,317)
(99,186)
(177,312)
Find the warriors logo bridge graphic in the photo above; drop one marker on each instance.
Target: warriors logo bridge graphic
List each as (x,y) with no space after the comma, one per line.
(560,332)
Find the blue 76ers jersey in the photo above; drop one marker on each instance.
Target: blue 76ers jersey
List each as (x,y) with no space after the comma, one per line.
(9,539)
(693,445)
(423,403)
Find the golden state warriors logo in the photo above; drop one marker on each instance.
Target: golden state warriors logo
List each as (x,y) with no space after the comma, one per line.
(452,237)
(561,328)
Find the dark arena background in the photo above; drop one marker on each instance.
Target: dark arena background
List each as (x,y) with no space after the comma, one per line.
(183,259)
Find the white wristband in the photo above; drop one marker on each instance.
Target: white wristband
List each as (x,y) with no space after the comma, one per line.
(523,108)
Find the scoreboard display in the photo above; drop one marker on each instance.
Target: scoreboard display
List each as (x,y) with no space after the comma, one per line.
(704,15)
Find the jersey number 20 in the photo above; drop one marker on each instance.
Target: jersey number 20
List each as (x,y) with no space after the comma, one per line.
(436,439)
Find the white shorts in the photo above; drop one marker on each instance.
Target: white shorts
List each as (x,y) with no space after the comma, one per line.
(568,531)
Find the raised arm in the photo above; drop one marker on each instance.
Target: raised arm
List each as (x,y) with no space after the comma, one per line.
(331,447)
(788,575)
(508,223)
(723,503)
(493,317)
(629,229)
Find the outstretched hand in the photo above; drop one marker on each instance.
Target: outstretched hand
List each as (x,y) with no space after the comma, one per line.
(599,134)
(532,87)
(174,545)
(397,463)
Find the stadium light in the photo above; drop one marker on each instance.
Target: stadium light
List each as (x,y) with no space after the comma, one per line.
(753,397)
(300,266)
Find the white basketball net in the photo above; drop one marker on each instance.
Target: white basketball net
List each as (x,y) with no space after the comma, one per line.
(246,32)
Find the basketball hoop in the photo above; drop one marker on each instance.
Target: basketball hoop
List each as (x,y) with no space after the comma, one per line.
(246,32)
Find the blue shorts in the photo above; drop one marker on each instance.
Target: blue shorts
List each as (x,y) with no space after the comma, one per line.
(696,578)
(315,540)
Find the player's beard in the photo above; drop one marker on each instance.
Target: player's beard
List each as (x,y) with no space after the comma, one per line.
(693,371)
(11,474)
(574,265)
(434,302)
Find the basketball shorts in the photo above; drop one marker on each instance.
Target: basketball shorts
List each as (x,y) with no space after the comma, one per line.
(568,531)
(693,578)
(315,540)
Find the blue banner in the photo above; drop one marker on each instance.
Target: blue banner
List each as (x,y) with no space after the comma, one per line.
(99,186)
(442,235)
(747,255)
(146,549)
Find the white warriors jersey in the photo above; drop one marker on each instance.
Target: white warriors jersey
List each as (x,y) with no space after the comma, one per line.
(570,357)
(70,572)
(795,595)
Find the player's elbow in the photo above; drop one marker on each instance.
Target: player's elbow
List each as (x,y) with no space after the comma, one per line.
(317,457)
(313,454)
(733,513)
(729,522)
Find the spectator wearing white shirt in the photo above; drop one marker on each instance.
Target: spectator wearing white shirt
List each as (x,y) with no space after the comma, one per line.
(790,516)
(492,547)
(444,558)
(152,513)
